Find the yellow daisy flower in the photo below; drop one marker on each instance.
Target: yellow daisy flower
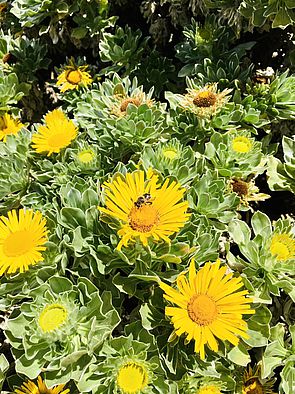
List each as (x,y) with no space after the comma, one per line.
(22,238)
(30,387)
(9,126)
(282,247)
(205,102)
(253,384)
(73,77)
(57,133)
(209,306)
(132,378)
(145,209)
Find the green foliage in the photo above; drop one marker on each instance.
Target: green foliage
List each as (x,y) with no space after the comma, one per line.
(63,349)
(124,49)
(281,175)
(11,91)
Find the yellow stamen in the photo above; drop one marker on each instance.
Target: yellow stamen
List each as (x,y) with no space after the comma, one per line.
(132,378)
(205,99)
(74,77)
(169,153)
(241,144)
(144,218)
(202,309)
(52,317)
(86,156)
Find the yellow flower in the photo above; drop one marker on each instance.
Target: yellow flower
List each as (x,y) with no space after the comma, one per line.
(241,144)
(144,208)
(282,247)
(85,156)
(52,317)
(73,77)
(209,306)
(253,384)
(30,387)
(56,134)
(9,126)
(132,378)
(205,102)
(122,101)
(210,389)
(22,238)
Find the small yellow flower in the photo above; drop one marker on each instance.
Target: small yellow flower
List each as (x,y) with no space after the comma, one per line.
(57,133)
(52,317)
(282,247)
(85,156)
(132,378)
(9,126)
(30,387)
(205,102)
(73,77)
(22,239)
(210,389)
(170,153)
(208,306)
(241,144)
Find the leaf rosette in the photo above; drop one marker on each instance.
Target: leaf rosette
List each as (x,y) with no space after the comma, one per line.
(59,330)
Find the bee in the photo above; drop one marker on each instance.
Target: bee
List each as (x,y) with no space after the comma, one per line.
(145,199)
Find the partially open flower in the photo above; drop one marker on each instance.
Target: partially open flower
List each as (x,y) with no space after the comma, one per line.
(282,246)
(132,377)
(253,384)
(121,102)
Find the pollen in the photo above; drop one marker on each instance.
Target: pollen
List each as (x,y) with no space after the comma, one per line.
(202,309)
(144,218)
(205,99)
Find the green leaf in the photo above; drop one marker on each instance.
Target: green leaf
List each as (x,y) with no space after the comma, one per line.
(72,218)
(60,285)
(239,355)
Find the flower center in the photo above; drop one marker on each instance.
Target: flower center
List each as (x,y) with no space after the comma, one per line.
(209,390)
(241,144)
(143,218)
(205,99)
(169,153)
(240,187)
(128,101)
(253,386)
(57,140)
(202,309)
(52,317)
(132,378)
(18,243)
(74,77)
(85,156)
(282,247)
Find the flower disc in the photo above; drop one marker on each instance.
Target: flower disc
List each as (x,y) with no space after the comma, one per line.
(132,378)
